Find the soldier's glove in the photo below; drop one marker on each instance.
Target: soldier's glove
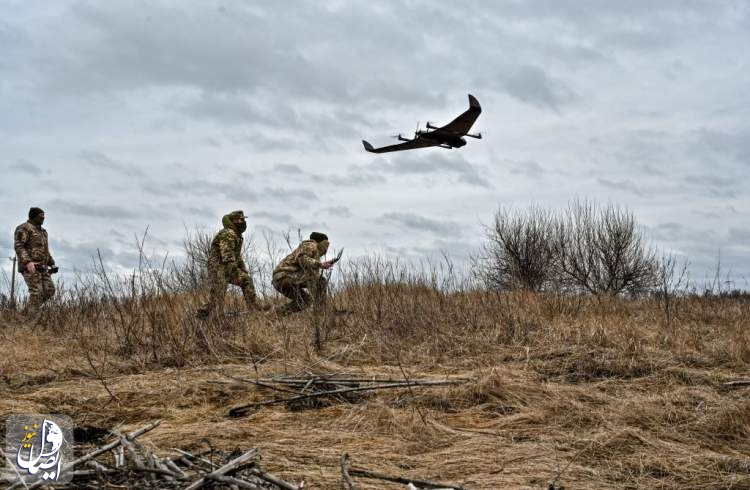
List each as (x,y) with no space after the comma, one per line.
(53,269)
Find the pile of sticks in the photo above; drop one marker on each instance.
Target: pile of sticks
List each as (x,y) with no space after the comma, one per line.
(125,463)
(313,390)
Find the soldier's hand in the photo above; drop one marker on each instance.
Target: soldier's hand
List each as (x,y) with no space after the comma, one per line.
(30,267)
(326,265)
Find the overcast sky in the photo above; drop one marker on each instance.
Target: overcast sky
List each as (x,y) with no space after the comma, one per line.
(119,115)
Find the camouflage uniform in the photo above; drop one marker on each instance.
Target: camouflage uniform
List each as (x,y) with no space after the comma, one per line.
(32,245)
(226,266)
(298,271)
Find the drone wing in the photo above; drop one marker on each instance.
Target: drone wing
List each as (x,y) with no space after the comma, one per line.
(407,145)
(462,124)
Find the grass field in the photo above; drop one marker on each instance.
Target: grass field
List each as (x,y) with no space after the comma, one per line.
(598,393)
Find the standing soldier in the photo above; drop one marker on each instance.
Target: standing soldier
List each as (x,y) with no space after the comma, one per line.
(300,270)
(226,266)
(34,260)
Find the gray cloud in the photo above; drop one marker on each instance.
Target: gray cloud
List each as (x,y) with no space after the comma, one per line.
(417,222)
(205,212)
(673,232)
(100,161)
(234,190)
(272,217)
(530,169)
(715,185)
(434,163)
(624,185)
(114,232)
(111,212)
(283,194)
(25,166)
(532,85)
(340,211)
(354,176)
(711,180)
(716,147)
(82,256)
(740,236)
(285,168)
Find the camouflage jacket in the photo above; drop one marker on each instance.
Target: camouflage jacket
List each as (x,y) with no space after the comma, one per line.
(32,245)
(226,250)
(302,264)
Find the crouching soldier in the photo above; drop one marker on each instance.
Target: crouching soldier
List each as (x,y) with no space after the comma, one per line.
(226,266)
(34,260)
(299,273)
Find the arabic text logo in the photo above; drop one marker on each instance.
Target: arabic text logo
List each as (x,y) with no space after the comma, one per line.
(41,444)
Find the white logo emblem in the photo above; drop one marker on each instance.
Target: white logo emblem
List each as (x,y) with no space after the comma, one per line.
(37,448)
(41,453)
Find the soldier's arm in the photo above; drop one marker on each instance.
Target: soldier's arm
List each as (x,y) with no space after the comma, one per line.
(51,261)
(308,257)
(242,266)
(240,261)
(20,239)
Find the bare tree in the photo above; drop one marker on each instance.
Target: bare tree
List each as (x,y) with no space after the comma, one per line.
(600,250)
(519,251)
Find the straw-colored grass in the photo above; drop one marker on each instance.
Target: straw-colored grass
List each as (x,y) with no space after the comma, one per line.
(606,391)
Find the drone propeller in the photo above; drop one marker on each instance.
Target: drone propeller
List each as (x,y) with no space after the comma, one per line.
(416,131)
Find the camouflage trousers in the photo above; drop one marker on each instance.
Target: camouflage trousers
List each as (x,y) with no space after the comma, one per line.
(40,286)
(217,288)
(296,290)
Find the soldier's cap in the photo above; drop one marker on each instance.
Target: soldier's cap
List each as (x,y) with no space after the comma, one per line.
(318,237)
(239,214)
(34,212)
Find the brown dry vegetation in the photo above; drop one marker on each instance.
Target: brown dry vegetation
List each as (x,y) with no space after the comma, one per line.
(606,391)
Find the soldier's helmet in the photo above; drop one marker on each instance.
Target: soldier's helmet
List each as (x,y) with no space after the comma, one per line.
(239,214)
(318,237)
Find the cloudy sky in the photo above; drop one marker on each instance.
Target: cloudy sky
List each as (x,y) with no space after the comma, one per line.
(119,115)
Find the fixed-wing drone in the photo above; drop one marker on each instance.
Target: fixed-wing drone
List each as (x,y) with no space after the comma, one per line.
(449,136)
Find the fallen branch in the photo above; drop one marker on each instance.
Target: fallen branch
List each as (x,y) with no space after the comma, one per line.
(230,466)
(243,409)
(233,481)
(347,482)
(405,481)
(334,379)
(738,382)
(274,479)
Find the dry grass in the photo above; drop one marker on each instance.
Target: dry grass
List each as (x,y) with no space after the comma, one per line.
(609,387)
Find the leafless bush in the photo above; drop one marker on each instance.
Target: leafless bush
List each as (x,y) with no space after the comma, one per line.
(600,250)
(588,248)
(519,252)
(191,273)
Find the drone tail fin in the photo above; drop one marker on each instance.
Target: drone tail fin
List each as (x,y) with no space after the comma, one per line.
(368,146)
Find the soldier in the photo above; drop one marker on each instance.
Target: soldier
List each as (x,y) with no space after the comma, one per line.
(34,260)
(225,266)
(300,270)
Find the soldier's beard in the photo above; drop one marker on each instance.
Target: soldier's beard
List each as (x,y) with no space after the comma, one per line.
(241,227)
(37,221)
